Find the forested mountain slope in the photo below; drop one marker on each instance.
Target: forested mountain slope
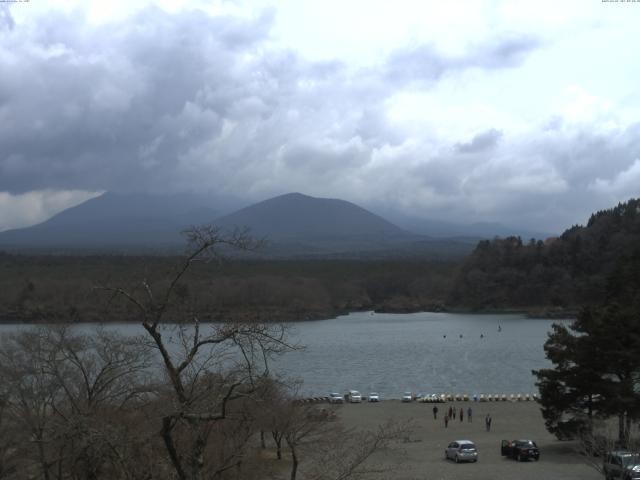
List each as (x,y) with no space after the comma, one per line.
(566,272)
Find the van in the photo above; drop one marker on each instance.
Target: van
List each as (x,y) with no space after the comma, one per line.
(354,396)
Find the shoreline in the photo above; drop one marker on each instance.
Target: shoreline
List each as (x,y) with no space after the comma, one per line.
(542,313)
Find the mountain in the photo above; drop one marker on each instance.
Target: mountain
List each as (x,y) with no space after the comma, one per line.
(300,217)
(477,230)
(115,221)
(294,225)
(299,225)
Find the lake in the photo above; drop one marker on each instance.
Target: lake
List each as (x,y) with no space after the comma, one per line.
(419,352)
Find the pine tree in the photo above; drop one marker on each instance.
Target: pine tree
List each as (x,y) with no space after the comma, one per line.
(596,361)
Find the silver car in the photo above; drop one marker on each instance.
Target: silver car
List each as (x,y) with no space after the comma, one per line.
(461,451)
(336,398)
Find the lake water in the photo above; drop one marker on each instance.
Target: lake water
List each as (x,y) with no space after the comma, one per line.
(419,352)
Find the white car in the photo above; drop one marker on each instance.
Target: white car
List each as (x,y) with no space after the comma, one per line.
(354,396)
(374,397)
(336,398)
(461,451)
(407,397)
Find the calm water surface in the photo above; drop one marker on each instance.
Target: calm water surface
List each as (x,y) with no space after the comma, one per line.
(420,352)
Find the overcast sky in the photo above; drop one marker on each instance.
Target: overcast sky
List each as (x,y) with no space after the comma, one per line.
(523,112)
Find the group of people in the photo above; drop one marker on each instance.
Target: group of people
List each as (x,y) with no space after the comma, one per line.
(451,415)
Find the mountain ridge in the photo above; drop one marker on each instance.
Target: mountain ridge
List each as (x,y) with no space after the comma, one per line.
(295,225)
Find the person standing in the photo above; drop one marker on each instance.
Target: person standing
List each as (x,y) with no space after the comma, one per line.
(446,421)
(487,422)
(450,411)
(454,414)
(469,415)
(461,414)
(435,412)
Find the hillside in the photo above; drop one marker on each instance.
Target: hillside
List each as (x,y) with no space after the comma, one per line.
(115,221)
(567,272)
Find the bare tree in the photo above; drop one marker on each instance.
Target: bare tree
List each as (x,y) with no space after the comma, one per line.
(66,396)
(602,437)
(209,367)
(30,401)
(349,454)
(185,400)
(306,425)
(318,443)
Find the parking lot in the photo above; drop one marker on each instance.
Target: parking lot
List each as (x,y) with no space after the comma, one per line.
(421,455)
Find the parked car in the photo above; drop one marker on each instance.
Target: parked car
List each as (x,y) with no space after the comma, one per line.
(336,398)
(632,473)
(374,397)
(461,451)
(407,397)
(354,396)
(520,450)
(621,464)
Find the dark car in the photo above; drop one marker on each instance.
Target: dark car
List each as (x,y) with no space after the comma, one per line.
(520,450)
(632,472)
(621,464)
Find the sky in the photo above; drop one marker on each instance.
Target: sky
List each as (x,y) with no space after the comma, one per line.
(521,112)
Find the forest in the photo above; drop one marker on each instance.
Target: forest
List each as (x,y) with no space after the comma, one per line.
(561,273)
(70,288)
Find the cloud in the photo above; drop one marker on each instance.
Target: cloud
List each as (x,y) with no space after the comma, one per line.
(480,142)
(425,64)
(33,207)
(182,101)
(6,20)
(82,106)
(168,100)
(624,183)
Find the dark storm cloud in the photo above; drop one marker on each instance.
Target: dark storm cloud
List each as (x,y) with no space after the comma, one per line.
(118,106)
(188,102)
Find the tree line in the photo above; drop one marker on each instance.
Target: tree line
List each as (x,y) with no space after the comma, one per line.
(67,288)
(565,272)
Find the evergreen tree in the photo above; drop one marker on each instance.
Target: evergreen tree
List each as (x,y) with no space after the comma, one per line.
(596,361)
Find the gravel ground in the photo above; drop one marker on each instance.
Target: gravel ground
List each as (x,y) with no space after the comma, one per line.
(421,456)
